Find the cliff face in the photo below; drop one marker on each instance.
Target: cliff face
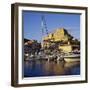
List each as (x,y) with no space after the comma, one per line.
(60,34)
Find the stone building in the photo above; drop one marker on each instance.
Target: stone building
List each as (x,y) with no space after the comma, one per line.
(62,39)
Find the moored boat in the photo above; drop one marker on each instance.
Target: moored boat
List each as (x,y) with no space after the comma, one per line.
(71,57)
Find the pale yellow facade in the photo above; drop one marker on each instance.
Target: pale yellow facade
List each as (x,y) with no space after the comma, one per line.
(57,35)
(66,48)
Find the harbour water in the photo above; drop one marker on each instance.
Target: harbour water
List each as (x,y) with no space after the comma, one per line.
(38,68)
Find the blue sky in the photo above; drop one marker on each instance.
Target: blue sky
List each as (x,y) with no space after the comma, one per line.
(32,23)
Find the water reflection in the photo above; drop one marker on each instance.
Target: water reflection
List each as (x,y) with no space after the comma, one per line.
(50,68)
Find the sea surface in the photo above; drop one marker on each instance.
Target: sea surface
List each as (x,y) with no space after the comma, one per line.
(37,68)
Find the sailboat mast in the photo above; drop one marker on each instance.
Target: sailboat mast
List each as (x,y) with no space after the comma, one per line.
(44,28)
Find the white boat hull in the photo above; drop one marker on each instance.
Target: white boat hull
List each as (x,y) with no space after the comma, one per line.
(72,59)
